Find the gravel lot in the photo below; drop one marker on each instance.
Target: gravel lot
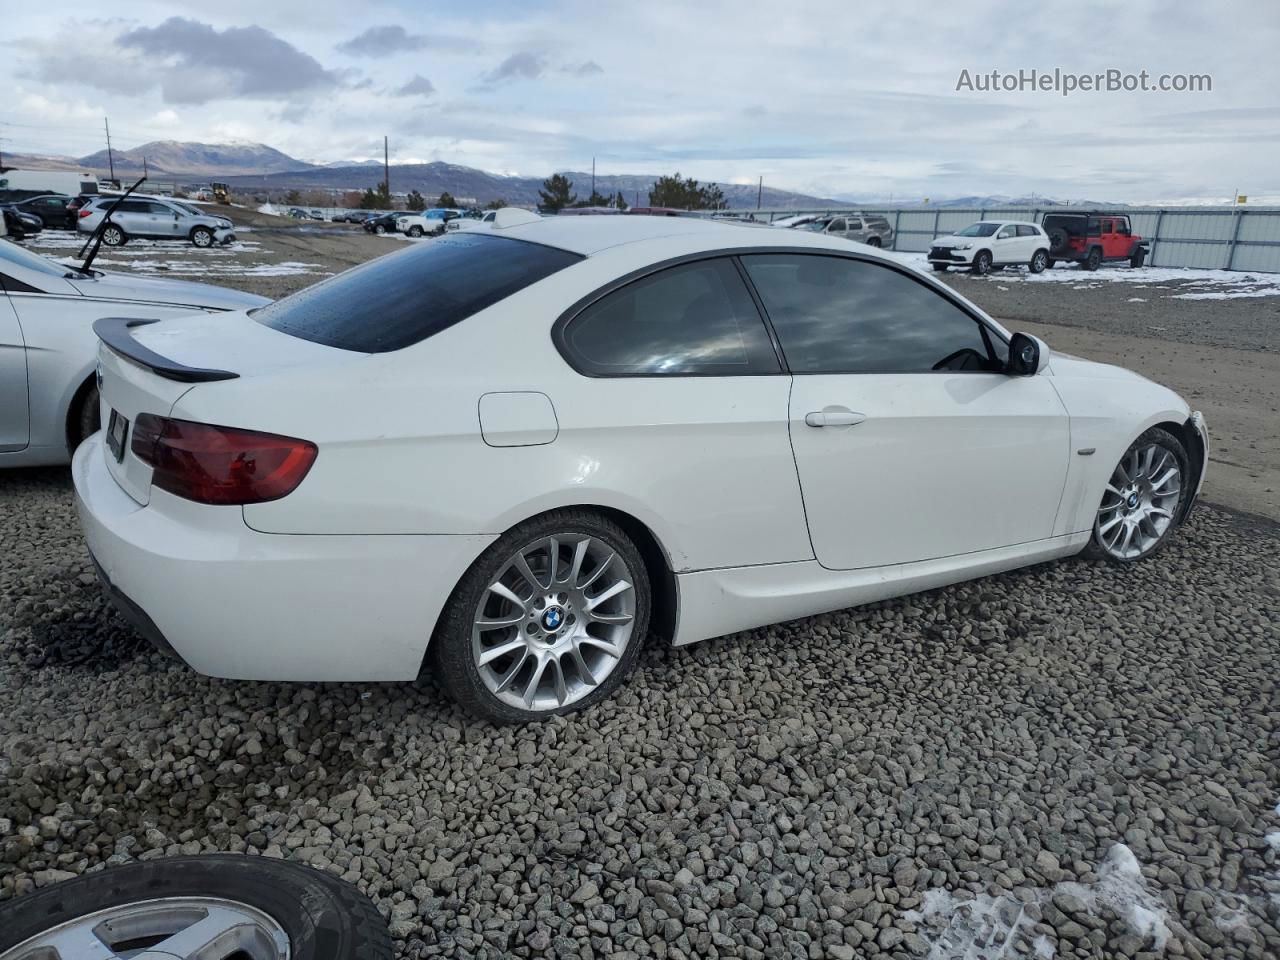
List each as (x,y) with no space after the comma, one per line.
(1086,758)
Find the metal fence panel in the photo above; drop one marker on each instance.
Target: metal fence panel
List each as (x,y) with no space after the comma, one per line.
(1230,238)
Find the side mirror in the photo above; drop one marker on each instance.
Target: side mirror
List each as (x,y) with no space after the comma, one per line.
(1028,355)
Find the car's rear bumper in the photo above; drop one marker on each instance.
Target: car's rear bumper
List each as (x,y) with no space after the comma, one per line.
(233,602)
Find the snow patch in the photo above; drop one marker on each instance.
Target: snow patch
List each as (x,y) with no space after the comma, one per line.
(1136,300)
(986,928)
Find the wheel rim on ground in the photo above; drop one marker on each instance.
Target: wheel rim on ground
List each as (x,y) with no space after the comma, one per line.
(554,623)
(1039,262)
(182,928)
(1139,501)
(111,236)
(203,238)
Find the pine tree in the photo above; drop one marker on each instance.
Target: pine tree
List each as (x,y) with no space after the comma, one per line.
(556,193)
(416,201)
(446,200)
(620,201)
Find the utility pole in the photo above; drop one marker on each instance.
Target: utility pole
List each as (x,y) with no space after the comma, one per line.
(593,176)
(111,163)
(759,191)
(386,169)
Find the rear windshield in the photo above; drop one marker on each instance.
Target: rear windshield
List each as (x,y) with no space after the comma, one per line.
(401,299)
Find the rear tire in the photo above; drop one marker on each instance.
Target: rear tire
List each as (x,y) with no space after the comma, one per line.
(1039,262)
(515,687)
(1138,259)
(379,229)
(1093,260)
(87,417)
(874,242)
(981,263)
(113,236)
(322,917)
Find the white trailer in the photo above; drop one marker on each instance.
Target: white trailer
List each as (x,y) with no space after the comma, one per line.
(32,182)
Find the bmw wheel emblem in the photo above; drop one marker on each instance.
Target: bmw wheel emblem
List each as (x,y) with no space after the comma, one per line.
(552,618)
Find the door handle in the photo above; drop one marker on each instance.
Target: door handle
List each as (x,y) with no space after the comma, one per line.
(834,417)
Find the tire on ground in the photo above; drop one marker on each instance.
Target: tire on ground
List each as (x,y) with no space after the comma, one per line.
(450,655)
(1094,549)
(324,918)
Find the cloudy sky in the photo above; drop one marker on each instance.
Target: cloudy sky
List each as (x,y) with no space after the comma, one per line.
(836,99)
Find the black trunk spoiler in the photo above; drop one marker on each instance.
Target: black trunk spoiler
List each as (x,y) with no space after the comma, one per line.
(115,333)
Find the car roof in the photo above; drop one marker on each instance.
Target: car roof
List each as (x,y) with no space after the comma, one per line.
(590,235)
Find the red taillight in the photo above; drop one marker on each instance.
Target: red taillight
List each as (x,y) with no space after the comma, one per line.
(220,465)
(84,213)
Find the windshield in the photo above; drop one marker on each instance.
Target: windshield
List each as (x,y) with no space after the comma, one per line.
(979,229)
(398,300)
(187,207)
(12,253)
(817,226)
(434,214)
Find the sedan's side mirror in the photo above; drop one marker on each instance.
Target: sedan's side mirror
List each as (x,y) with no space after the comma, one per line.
(1028,355)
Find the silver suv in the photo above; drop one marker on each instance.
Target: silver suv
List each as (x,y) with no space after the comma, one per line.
(154,218)
(872,230)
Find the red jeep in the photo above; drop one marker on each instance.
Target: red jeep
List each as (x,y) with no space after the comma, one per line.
(1090,238)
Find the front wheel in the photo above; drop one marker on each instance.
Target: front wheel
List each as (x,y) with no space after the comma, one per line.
(1039,262)
(549,620)
(202,237)
(873,242)
(1142,500)
(982,263)
(379,229)
(250,908)
(415,231)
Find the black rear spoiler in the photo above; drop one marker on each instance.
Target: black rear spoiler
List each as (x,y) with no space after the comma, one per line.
(115,333)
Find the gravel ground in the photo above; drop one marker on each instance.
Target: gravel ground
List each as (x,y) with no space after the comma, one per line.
(1028,742)
(1141,303)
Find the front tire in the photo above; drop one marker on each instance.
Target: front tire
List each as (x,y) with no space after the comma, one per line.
(379,229)
(202,237)
(981,263)
(415,231)
(550,619)
(1142,500)
(113,236)
(1039,262)
(157,902)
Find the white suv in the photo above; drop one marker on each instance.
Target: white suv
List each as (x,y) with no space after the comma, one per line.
(992,244)
(429,222)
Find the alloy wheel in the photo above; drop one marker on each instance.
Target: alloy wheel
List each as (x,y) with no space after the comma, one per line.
(176,928)
(554,623)
(1139,502)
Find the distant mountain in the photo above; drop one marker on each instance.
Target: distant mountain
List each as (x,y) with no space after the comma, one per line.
(180,158)
(469,185)
(32,161)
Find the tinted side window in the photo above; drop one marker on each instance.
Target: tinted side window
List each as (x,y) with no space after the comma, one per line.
(838,315)
(1027,231)
(1007,232)
(694,319)
(130,206)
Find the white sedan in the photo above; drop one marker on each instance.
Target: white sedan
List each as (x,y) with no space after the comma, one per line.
(510,457)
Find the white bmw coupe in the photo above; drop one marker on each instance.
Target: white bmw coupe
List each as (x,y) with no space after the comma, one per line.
(510,457)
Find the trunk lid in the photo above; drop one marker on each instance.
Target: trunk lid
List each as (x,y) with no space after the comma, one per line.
(147,368)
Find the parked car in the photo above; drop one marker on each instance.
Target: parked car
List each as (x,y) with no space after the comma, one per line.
(53,210)
(48,396)
(658,212)
(315,213)
(873,231)
(80,201)
(1090,239)
(427,223)
(507,457)
(352,216)
(992,245)
(297,213)
(474,223)
(153,218)
(799,220)
(18,224)
(385,222)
